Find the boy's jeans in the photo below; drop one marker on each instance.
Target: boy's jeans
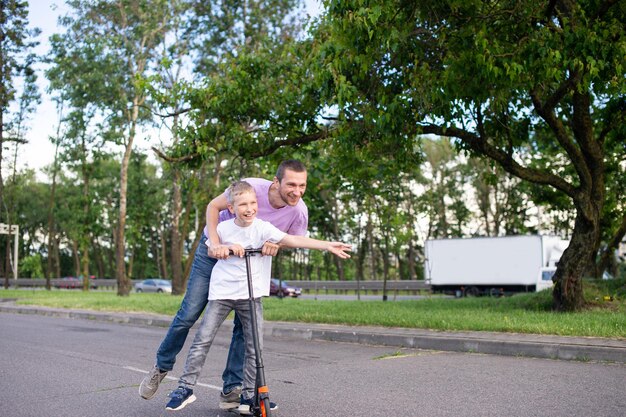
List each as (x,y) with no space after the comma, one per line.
(216,312)
(193,304)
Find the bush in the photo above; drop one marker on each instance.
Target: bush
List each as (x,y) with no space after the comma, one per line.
(31,267)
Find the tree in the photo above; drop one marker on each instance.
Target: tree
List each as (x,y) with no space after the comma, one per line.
(16,62)
(119,38)
(168,88)
(535,86)
(443,178)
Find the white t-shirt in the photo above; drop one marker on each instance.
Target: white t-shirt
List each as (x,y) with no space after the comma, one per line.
(229,279)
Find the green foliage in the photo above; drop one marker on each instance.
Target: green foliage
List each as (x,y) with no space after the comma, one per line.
(536,87)
(31,267)
(16,58)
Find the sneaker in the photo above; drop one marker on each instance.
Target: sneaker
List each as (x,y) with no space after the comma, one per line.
(150,383)
(245,407)
(230,401)
(180,397)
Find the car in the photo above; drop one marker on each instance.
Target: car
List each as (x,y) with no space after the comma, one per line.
(69,283)
(154,285)
(74,283)
(286,289)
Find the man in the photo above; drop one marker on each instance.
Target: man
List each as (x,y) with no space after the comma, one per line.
(280,203)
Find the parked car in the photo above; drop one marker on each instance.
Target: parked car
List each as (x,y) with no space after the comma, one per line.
(69,283)
(286,289)
(154,285)
(74,283)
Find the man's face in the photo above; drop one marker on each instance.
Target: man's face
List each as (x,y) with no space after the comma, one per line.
(244,207)
(292,187)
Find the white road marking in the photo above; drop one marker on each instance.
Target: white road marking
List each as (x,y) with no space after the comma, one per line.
(130,368)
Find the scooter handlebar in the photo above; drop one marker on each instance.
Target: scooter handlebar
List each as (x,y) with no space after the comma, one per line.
(249,251)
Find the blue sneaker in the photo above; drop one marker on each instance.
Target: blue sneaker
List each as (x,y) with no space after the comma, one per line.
(180,397)
(246,406)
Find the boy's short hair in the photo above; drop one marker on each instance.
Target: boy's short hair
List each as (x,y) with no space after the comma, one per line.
(237,188)
(290,164)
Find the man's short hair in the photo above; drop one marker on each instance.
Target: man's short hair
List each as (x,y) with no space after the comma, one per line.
(290,164)
(237,188)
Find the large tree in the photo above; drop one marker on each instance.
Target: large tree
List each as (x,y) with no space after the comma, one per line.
(114,43)
(536,86)
(16,60)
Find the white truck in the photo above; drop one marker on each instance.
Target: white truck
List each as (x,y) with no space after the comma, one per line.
(492,265)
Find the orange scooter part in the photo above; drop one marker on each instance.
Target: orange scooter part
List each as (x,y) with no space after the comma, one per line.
(265,400)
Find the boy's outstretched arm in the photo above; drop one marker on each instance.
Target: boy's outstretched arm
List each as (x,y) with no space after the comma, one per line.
(337,248)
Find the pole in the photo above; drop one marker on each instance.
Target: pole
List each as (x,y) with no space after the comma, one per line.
(13,229)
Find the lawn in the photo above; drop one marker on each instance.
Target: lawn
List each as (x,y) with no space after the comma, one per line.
(605,315)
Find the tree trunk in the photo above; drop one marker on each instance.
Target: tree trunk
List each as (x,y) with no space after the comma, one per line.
(176,248)
(85,240)
(372,250)
(411,266)
(123,286)
(57,256)
(76,257)
(568,290)
(97,251)
(85,266)
(51,227)
(192,254)
(123,283)
(162,252)
(334,216)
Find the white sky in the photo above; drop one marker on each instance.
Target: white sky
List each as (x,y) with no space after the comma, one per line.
(39,151)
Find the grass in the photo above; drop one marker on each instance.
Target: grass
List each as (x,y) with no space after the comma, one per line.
(605,315)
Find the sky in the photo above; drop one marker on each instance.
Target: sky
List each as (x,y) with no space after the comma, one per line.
(39,151)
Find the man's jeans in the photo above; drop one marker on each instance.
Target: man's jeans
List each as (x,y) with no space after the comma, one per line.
(214,316)
(193,304)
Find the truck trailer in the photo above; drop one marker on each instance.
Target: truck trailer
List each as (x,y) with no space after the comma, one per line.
(492,265)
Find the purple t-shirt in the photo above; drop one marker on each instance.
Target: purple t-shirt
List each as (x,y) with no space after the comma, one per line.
(289,219)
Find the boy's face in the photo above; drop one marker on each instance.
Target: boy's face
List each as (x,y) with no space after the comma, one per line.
(244,207)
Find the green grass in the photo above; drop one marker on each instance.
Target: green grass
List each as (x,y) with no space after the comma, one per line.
(523,313)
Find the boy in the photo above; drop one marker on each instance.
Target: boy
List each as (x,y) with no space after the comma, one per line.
(228,289)
(279,202)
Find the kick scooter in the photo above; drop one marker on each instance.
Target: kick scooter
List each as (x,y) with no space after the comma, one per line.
(261,406)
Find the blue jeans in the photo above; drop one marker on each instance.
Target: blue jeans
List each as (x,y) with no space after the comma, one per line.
(214,316)
(194,302)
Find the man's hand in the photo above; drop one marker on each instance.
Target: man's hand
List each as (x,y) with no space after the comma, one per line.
(218,251)
(339,249)
(270,249)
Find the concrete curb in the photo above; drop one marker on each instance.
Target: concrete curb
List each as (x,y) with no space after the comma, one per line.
(551,347)
(507,344)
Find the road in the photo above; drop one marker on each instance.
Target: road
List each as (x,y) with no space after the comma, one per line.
(66,367)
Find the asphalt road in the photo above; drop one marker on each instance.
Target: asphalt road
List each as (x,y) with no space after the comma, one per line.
(67,367)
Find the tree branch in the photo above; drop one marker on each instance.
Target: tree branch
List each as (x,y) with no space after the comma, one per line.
(165,115)
(185,158)
(583,132)
(300,140)
(547,114)
(505,160)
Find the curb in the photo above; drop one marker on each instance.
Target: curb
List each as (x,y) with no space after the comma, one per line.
(506,344)
(536,346)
